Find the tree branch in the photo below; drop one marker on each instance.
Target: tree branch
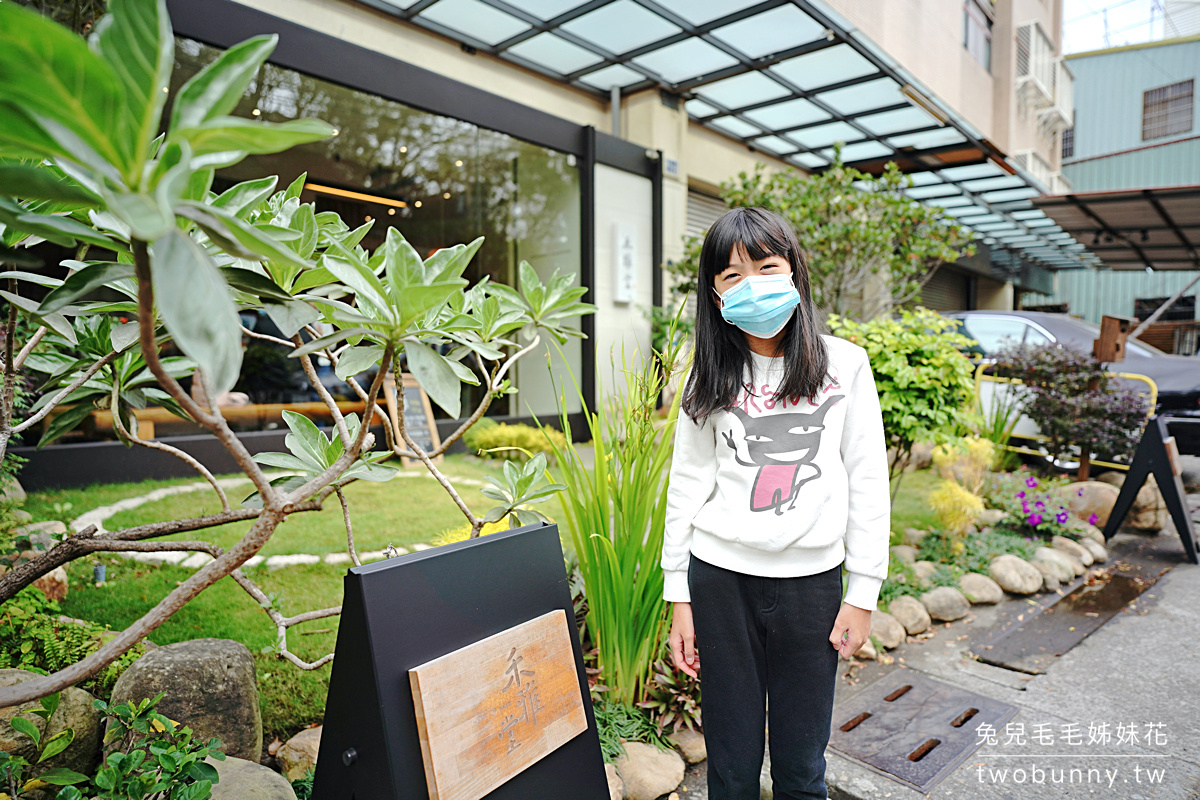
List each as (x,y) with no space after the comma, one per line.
(28,348)
(349,527)
(311,373)
(58,398)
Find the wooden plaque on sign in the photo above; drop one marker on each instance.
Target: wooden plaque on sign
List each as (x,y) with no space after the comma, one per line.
(493,708)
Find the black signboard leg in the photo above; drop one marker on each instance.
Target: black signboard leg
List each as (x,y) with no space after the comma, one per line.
(1152,457)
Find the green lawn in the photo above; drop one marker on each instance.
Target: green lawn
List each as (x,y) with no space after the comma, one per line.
(403,511)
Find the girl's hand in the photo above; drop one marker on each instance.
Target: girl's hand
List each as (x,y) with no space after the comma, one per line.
(683,639)
(851,630)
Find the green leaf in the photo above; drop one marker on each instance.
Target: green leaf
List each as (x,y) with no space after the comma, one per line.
(56,744)
(249,137)
(22,725)
(353,272)
(135,39)
(197,309)
(357,359)
(216,89)
(291,316)
(238,237)
(436,376)
(41,183)
(41,280)
(451,262)
(61,230)
(49,73)
(253,283)
(287,461)
(64,422)
(86,280)
(245,197)
(305,439)
(286,483)
(61,776)
(331,339)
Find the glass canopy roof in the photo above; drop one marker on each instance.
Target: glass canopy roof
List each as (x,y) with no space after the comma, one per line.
(790,78)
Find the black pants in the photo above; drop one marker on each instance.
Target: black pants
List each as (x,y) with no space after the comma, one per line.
(760,637)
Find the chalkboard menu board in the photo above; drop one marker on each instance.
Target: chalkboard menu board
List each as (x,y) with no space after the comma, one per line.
(418,415)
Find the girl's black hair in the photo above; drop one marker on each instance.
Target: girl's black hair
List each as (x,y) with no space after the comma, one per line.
(721,352)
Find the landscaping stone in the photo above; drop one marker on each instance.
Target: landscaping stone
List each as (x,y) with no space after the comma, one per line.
(52,526)
(299,753)
(905,553)
(1149,512)
(278,562)
(867,650)
(990,516)
(248,780)
(1050,581)
(1090,497)
(616,786)
(923,570)
(75,711)
(913,536)
(196,560)
(1074,548)
(1099,553)
(21,516)
(922,456)
(945,603)
(910,613)
(53,584)
(1015,574)
(209,686)
(979,588)
(647,772)
(1056,560)
(11,492)
(887,629)
(691,745)
(337,558)
(1085,530)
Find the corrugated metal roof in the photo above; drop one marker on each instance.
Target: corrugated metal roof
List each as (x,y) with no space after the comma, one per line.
(1093,293)
(1172,164)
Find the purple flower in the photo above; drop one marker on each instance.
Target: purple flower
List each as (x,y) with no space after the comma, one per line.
(1079,493)
(1092,519)
(1025,506)
(1020,494)
(1035,520)
(1031,482)
(1062,518)
(1039,505)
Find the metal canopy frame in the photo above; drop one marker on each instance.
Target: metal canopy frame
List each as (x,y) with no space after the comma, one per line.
(1133,229)
(705,53)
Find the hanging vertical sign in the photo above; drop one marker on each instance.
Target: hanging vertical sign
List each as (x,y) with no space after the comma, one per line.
(624,263)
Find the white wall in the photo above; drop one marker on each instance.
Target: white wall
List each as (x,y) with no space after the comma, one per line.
(624,198)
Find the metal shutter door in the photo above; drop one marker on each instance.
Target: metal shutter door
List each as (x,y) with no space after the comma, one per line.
(946,291)
(702,212)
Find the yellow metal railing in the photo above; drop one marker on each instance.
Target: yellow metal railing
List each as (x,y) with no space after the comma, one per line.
(980,378)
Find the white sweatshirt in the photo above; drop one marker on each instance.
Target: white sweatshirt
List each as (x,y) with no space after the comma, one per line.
(778,489)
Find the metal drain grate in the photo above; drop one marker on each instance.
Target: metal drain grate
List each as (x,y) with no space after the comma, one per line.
(913,729)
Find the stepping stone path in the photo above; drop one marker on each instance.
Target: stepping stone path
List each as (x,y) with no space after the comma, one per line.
(192,560)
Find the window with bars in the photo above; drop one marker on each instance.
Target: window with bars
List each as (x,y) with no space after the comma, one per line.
(977,33)
(1168,110)
(1068,143)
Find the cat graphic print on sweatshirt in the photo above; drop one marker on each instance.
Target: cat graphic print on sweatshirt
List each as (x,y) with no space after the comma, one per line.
(783,487)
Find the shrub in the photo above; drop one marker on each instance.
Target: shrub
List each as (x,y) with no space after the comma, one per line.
(965,460)
(1033,505)
(977,552)
(925,384)
(618,723)
(956,507)
(512,442)
(672,698)
(463,532)
(35,636)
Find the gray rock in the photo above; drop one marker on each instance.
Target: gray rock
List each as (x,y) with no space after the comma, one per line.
(910,613)
(905,553)
(867,650)
(21,516)
(922,456)
(1149,512)
(923,570)
(945,603)
(913,536)
(74,711)
(1090,497)
(1050,581)
(51,526)
(53,584)
(249,780)
(1112,477)
(616,787)
(1056,560)
(1073,548)
(690,743)
(649,773)
(299,753)
(990,516)
(11,492)
(980,588)
(887,629)
(1015,574)
(1085,530)
(209,686)
(1099,553)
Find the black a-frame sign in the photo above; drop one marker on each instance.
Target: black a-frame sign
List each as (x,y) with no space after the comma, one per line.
(402,612)
(1156,455)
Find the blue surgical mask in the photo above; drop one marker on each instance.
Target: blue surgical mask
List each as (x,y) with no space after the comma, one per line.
(760,305)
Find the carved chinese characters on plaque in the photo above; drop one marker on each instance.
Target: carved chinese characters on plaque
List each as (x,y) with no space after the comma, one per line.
(492,709)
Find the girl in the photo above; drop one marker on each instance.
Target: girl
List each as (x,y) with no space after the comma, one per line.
(779,478)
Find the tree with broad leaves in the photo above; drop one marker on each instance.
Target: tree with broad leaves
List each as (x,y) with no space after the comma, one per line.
(870,248)
(83,165)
